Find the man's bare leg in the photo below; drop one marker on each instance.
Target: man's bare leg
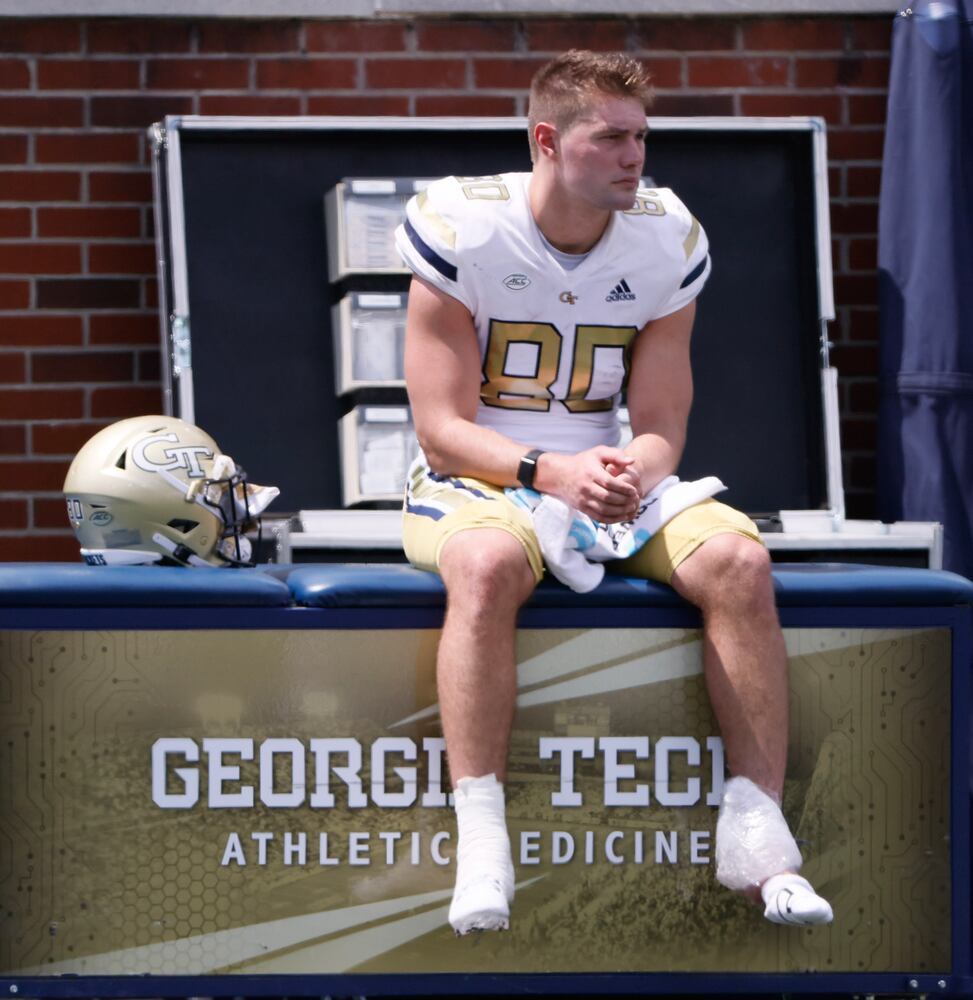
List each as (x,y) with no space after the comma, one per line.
(487,579)
(744,657)
(745,662)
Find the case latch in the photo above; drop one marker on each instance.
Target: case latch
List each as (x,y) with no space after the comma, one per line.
(182,357)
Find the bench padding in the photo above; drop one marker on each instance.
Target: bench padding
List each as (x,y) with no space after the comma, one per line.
(798,585)
(73,585)
(374,585)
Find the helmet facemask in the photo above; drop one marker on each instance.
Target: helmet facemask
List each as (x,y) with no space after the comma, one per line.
(235,502)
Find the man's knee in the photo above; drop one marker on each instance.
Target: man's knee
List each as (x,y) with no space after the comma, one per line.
(726,567)
(486,568)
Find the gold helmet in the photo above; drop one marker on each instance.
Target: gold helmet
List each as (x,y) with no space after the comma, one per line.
(157,490)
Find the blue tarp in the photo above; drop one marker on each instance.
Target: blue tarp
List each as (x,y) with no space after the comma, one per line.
(925,452)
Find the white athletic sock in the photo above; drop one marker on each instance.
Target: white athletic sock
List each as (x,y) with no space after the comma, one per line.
(790,899)
(484,868)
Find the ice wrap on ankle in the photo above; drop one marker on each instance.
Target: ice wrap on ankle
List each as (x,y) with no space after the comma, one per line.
(484,868)
(752,838)
(481,824)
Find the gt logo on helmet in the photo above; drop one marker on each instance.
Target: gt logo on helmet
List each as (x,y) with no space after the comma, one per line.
(184,457)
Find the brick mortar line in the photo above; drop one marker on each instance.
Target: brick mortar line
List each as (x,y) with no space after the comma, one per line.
(81,241)
(737,51)
(73,203)
(82,384)
(254,90)
(108,130)
(87,167)
(35,532)
(62,349)
(405,55)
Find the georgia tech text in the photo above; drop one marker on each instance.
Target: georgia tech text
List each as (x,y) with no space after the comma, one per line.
(287,773)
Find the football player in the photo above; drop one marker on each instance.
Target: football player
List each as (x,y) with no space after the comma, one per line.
(536,298)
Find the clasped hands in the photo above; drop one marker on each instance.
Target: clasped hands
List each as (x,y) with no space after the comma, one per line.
(601,482)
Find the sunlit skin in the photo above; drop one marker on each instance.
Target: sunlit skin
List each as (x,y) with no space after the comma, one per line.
(588,171)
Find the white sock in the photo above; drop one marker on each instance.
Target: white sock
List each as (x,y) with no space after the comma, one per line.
(790,899)
(484,868)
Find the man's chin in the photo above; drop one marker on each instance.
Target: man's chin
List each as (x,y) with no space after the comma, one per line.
(617,199)
(623,201)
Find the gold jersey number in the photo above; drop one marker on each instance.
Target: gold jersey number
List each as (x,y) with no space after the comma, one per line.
(533,392)
(487,188)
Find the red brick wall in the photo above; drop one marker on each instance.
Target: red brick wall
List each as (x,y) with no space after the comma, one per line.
(78,330)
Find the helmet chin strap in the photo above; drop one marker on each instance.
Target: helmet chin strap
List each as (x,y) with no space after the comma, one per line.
(190,492)
(179,552)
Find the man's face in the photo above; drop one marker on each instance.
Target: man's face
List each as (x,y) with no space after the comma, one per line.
(603,152)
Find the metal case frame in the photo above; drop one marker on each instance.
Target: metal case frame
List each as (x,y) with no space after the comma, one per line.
(171,236)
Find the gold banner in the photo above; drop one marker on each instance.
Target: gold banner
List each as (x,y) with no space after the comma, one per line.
(275,802)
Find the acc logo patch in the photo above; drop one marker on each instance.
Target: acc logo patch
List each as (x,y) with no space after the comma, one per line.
(515,282)
(101,517)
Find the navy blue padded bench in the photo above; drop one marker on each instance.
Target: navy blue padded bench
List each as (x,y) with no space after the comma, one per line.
(802,584)
(75,585)
(330,585)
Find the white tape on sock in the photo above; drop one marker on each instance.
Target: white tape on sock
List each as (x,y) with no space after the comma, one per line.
(752,838)
(484,868)
(791,899)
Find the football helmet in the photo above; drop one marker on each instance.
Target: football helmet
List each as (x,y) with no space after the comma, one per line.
(156,489)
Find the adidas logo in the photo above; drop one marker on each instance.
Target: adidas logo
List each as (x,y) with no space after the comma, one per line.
(621,293)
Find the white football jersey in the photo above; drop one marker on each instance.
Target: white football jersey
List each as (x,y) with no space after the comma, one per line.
(555,343)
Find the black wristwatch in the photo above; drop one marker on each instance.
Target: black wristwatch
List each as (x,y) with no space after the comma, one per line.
(528,468)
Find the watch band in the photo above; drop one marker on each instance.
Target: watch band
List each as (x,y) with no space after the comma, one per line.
(528,467)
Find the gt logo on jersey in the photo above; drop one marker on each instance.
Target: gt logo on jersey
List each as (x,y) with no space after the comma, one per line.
(569,297)
(186,456)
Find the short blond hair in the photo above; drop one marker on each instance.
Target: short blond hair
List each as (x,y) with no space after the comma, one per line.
(561,90)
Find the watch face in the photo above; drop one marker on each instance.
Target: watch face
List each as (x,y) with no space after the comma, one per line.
(527,468)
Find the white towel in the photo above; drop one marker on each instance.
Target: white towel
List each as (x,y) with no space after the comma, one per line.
(575,545)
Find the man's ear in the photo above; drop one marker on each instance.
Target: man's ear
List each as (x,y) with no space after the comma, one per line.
(547,138)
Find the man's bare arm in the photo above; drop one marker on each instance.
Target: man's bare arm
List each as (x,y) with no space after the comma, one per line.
(443,375)
(660,394)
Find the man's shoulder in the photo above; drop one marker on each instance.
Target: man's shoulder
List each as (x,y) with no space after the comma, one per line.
(460,196)
(658,208)
(464,212)
(658,222)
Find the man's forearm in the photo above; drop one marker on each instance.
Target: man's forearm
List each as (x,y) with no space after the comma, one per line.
(597,482)
(460,447)
(655,458)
